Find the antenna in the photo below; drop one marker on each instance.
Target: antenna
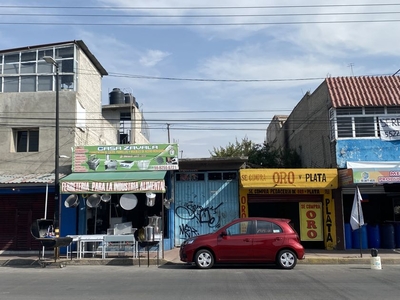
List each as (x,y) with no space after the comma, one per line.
(351,68)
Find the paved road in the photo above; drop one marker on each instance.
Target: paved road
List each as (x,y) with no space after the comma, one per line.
(175,282)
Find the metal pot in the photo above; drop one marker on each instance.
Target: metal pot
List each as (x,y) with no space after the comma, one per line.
(93,201)
(150,199)
(155,222)
(149,233)
(72,201)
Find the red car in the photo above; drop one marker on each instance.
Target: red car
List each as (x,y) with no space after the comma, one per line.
(246,240)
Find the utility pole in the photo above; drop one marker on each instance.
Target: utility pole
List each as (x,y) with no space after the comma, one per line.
(169,138)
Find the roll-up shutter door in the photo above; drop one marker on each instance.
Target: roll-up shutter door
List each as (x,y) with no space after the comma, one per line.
(365,190)
(17,213)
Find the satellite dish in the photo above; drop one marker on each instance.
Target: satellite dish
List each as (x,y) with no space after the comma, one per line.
(93,201)
(72,201)
(105,197)
(128,201)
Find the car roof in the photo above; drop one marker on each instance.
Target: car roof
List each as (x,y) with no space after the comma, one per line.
(264,219)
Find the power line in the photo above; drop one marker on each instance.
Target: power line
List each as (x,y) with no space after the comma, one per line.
(197,16)
(199,7)
(203,24)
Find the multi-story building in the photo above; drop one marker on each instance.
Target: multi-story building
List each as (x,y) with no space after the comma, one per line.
(28,88)
(352,124)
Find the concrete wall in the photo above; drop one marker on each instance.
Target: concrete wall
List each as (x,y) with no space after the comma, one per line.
(307,130)
(97,131)
(112,114)
(35,110)
(366,150)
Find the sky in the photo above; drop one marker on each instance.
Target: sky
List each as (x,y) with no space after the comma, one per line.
(211,73)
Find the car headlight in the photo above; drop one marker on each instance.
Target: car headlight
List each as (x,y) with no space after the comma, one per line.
(189,241)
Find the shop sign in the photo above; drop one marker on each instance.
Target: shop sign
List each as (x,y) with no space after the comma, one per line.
(285,191)
(345,177)
(83,187)
(311,221)
(329,217)
(120,158)
(389,128)
(376,176)
(289,178)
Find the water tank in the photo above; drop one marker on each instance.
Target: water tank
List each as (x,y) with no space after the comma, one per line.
(374,237)
(356,238)
(387,236)
(117,96)
(129,98)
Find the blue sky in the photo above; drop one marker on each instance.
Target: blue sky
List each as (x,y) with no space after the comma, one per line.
(204,74)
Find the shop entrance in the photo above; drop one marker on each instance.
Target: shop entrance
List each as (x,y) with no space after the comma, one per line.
(287,208)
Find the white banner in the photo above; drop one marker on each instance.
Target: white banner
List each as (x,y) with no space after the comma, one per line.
(389,128)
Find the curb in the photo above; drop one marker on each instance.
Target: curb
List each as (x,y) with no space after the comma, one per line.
(4,262)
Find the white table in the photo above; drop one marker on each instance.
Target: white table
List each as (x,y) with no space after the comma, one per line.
(120,241)
(89,238)
(75,239)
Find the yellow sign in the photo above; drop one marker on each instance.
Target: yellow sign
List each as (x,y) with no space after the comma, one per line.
(311,228)
(289,178)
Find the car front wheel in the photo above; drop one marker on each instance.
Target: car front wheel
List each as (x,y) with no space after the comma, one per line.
(204,259)
(286,259)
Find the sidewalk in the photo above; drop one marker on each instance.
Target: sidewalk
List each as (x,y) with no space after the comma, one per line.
(388,256)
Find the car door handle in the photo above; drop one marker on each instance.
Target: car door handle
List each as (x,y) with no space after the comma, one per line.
(246,240)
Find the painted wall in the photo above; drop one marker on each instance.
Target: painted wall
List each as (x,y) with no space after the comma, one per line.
(366,150)
(204,206)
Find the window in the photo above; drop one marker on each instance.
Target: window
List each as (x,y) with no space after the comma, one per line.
(246,227)
(358,122)
(26,71)
(45,83)
(189,177)
(28,83)
(26,140)
(11,64)
(263,227)
(11,84)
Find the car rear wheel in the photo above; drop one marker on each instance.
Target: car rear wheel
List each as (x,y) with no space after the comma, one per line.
(204,259)
(286,259)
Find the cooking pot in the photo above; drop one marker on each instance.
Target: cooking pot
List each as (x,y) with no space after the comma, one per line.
(93,201)
(149,233)
(72,201)
(155,222)
(151,199)
(105,197)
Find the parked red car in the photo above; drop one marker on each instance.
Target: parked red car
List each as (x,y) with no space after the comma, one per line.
(246,240)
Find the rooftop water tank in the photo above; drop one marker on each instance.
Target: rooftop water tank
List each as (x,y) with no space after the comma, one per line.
(129,98)
(117,96)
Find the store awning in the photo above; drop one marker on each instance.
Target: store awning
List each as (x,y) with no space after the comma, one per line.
(113,182)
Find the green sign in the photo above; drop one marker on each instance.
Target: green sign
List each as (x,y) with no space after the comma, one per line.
(122,158)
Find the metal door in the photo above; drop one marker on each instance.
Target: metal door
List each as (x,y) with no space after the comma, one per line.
(204,203)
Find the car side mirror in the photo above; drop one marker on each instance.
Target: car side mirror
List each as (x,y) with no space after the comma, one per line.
(223,233)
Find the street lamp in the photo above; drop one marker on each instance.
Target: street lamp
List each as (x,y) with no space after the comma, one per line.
(52,61)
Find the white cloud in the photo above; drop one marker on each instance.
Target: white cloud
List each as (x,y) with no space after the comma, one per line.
(152,57)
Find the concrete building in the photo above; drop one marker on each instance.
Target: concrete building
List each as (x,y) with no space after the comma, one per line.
(351,124)
(27,122)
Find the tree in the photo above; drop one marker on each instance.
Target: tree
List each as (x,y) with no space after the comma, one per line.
(261,155)
(237,149)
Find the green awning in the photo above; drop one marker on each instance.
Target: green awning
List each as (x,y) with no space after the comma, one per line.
(113,182)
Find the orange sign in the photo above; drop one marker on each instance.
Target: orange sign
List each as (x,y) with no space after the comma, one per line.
(311,228)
